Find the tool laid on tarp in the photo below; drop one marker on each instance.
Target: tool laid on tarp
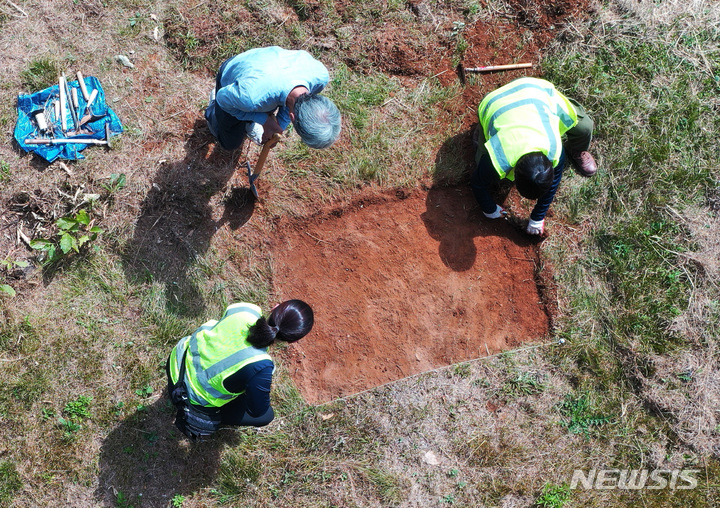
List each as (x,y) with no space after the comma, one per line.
(63,120)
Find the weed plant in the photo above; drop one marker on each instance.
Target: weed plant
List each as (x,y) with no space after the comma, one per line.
(40,74)
(10,481)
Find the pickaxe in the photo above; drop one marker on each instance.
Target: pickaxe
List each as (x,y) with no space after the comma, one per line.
(253,175)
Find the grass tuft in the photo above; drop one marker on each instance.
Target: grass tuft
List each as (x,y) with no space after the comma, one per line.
(40,74)
(10,482)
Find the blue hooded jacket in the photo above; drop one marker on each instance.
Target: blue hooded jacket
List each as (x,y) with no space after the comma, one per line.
(256,82)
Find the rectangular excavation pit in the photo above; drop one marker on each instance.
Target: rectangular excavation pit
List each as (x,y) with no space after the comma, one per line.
(402,285)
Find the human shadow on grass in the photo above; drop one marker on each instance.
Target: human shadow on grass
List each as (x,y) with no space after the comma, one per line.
(452,215)
(176,220)
(145,461)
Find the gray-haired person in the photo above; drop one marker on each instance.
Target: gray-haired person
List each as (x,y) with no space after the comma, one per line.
(254,84)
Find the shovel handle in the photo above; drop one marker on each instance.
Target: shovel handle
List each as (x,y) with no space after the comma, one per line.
(493,68)
(264,153)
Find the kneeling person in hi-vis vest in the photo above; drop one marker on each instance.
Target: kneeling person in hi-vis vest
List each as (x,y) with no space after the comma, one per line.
(526,131)
(221,374)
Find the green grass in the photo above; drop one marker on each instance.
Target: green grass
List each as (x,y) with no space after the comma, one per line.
(10,481)
(579,415)
(653,108)
(40,74)
(313,457)
(500,429)
(553,496)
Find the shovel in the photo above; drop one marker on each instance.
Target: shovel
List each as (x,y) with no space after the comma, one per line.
(253,175)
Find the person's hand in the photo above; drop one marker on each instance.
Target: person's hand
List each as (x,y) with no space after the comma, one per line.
(499,212)
(271,128)
(535,227)
(255,132)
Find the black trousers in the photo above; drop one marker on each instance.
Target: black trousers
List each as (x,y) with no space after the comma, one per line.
(230,131)
(232,413)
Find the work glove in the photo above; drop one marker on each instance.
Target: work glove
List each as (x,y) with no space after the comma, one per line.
(499,212)
(255,132)
(535,227)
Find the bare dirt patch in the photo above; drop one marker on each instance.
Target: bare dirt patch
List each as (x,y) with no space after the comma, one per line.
(402,284)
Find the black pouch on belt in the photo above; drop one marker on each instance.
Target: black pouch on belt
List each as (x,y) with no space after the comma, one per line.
(189,419)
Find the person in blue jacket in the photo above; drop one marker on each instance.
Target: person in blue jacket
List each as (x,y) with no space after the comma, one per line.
(222,373)
(253,85)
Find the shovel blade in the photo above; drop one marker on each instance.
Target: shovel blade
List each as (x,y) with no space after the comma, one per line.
(251,179)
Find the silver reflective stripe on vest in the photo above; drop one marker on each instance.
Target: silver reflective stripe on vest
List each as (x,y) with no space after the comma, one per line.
(539,105)
(179,352)
(192,394)
(203,376)
(233,359)
(241,308)
(510,91)
(495,142)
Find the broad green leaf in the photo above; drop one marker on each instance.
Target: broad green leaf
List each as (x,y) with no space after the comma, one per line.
(81,241)
(117,180)
(41,244)
(21,264)
(66,242)
(7,289)
(96,230)
(82,217)
(65,223)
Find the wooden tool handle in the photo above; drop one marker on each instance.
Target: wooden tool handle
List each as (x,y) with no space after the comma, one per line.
(490,68)
(63,100)
(264,153)
(66,141)
(90,100)
(81,83)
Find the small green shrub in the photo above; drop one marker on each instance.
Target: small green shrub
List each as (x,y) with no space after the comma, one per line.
(4,170)
(74,232)
(78,409)
(553,496)
(580,414)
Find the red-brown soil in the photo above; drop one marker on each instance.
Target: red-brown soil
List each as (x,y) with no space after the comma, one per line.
(402,284)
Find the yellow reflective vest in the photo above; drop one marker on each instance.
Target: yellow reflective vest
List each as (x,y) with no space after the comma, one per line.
(215,351)
(526,115)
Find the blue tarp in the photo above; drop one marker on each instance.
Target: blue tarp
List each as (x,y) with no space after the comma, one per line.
(29,105)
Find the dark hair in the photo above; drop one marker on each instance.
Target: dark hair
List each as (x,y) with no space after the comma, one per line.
(290,321)
(534,175)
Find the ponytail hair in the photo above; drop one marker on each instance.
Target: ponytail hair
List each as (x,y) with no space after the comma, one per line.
(534,174)
(290,321)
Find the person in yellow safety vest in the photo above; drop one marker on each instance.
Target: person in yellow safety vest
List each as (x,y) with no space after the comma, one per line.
(526,129)
(221,374)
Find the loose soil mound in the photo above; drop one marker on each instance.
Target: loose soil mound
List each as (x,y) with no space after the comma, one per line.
(402,284)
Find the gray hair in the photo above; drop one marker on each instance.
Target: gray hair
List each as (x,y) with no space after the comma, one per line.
(317,120)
